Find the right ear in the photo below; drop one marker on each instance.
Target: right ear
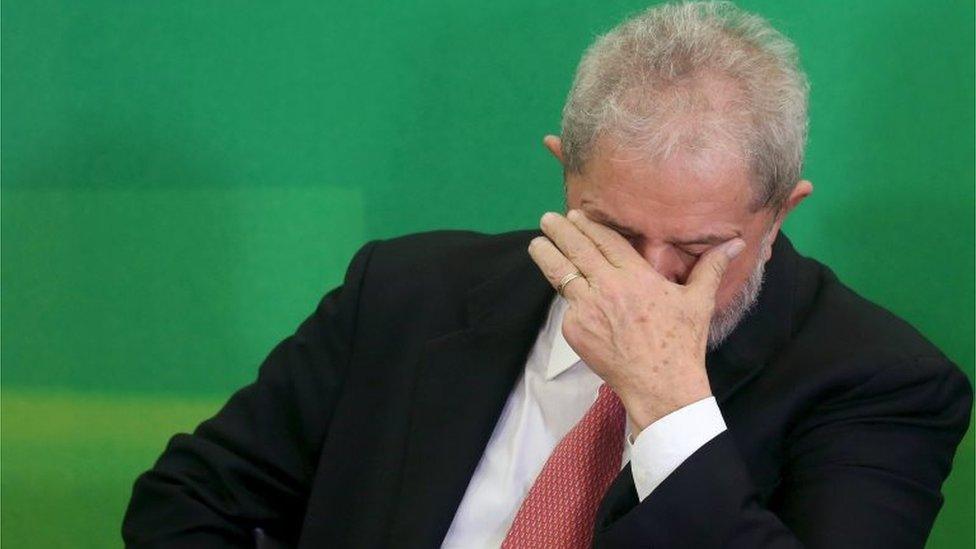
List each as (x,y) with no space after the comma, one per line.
(555,146)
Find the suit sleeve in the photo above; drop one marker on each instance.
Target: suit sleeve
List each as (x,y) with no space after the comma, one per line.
(863,470)
(250,466)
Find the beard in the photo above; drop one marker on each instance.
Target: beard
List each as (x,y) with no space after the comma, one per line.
(725,321)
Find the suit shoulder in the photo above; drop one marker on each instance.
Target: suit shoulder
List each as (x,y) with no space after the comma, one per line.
(453,251)
(854,356)
(447,241)
(855,322)
(853,339)
(426,276)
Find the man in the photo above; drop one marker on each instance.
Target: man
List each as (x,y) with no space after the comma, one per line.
(657,368)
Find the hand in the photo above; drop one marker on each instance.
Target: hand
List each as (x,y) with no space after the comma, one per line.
(641,333)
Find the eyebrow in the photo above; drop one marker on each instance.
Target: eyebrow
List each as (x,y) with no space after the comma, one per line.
(710,239)
(605,219)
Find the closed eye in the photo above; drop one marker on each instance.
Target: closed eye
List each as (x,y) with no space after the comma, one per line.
(696,252)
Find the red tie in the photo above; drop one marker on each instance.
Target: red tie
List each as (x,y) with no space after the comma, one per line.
(560,508)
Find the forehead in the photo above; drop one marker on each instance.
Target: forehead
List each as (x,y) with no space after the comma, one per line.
(701,187)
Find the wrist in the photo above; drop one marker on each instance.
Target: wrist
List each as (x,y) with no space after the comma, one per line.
(645,405)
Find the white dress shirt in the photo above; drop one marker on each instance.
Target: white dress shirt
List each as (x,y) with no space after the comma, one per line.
(552,395)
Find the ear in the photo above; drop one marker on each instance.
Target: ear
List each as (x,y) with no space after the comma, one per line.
(555,146)
(801,190)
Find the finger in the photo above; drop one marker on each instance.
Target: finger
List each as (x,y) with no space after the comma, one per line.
(611,244)
(573,244)
(709,270)
(555,266)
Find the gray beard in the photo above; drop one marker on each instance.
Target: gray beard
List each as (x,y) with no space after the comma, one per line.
(725,321)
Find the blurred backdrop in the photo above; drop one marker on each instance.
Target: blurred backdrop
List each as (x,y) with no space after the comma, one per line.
(183,180)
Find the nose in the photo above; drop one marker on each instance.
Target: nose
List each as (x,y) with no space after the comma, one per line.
(666,260)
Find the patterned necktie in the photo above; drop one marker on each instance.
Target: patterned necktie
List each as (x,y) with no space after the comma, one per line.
(560,508)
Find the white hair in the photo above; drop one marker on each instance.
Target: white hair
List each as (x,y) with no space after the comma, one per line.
(694,76)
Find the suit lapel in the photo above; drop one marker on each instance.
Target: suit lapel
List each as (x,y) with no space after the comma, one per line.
(764,329)
(462,385)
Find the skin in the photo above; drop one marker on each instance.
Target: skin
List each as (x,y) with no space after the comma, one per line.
(640,316)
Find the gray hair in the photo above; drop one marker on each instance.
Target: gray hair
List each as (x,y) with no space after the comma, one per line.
(650,83)
(725,320)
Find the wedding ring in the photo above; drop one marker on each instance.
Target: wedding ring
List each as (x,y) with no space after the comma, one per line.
(567,279)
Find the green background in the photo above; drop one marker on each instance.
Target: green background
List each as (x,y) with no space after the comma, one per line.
(182,180)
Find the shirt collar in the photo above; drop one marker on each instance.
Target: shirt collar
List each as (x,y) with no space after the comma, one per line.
(561,356)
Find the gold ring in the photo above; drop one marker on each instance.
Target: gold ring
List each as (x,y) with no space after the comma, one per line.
(567,279)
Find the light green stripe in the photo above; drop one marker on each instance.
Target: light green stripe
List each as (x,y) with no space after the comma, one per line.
(69,461)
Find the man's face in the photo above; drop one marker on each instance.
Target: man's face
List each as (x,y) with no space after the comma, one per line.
(674,210)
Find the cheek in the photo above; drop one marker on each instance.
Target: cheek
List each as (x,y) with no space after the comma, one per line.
(734,279)
(573,190)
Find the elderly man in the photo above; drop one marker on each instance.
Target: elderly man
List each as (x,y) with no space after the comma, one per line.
(657,368)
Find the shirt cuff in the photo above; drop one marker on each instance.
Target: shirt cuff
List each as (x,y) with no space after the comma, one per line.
(664,445)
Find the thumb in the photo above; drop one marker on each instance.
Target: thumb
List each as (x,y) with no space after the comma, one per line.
(708,272)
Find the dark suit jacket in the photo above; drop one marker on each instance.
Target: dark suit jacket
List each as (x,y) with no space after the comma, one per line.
(365,426)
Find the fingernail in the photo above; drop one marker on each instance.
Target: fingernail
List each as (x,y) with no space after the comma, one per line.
(573,214)
(547,217)
(735,246)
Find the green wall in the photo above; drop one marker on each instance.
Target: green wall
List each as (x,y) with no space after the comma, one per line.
(182,180)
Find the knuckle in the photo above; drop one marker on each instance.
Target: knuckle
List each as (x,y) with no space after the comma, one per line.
(718,267)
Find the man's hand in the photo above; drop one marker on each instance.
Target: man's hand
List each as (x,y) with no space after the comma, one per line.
(641,333)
